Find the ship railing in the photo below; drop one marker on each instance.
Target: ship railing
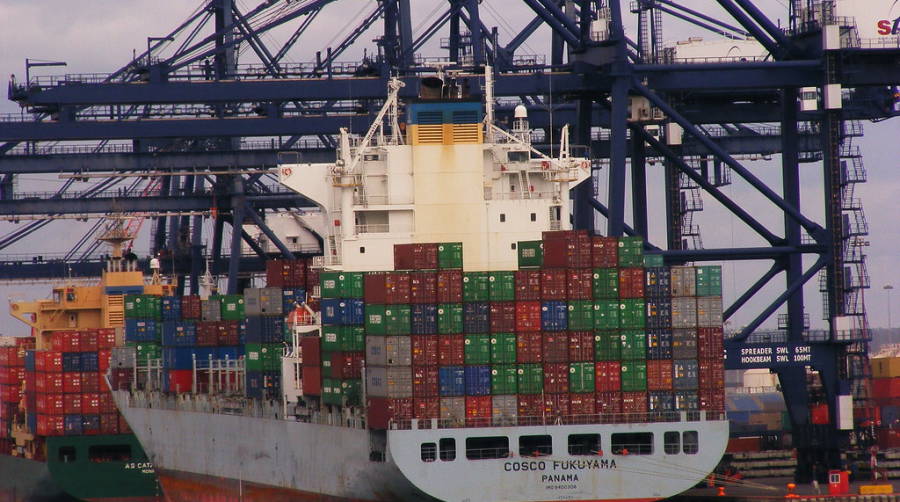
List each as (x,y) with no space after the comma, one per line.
(523,195)
(545,420)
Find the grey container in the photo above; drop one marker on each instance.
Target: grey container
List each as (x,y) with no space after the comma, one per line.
(211,310)
(394,382)
(251,302)
(399,350)
(686,400)
(683,281)
(685,374)
(453,411)
(661,401)
(271,301)
(684,312)
(504,410)
(709,311)
(376,351)
(684,343)
(123,357)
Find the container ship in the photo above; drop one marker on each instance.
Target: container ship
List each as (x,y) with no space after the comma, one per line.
(61,437)
(456,340)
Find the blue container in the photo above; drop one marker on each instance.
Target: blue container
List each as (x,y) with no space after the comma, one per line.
(231,353)
(659,344)
(424,319)
(290,298)
(253,330)
(179,334)
(685,374)
(141,330)
(263,384)
(343,311)
(476,317)
(242,332)
(29,360)
(171,308)
(661,401)
(657,282)
(890,415)
(452,381)
(72,425)
(90,361)
(178,358)
(259,329)
(554,316)
(71,361)
(478,380)
(206,353)
(658,313)
(90,423)
(31,422)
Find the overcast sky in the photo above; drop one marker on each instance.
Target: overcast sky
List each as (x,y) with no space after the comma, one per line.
(101,35)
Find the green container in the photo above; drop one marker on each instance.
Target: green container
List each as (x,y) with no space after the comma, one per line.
(581,377)
(263,356)
(475,287)
(581,315)
(502,286)
(397,319)
(450,255)
(143,307)
(606,314)
(132,304)
(146,350)
(504,379)
(478,349)
(709,280)
(343,338)
(631,251)
(351,391)
(653,260)
(450,318)
(634,344)
(634,376)
(503,348)
(341,284)
(606,283)
(632,313)
(232,307)
(332,391)
(530,378)
(375,320)
(607,345)
(326,363)
(154,307)
(531,254)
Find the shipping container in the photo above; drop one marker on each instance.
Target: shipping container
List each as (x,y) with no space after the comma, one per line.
(634,376)
(684,281)
(530,409)
(711,373)
(424,350)
(579,284)
(631,252)
(478,380)
(394,382)
(685,374)
(634,344)
(608,403)
(190,307)
(581,346)
(232,307)
(605,283)
(657,282)
(311,350)
(709,280)
(553,284)
(479,409)
(503,348)
(381,411)
(660,401)
(634,402)
(427,408)
(343,338)
(684,343)
(398,350)
(632,313)
(567,248)
(375,320)
(554,315)
(608,376)
(530,378)
(530,347)
(397,288)
(423,288)
(659,344)
(452,381)
(504,410)
(581,407)
(581,377)
(502,316)
(423,319)
(606,314)
(374,289)
(453,411)
(686,400)
(659,313)
(502,286)
(476,317)
(631,282)
(450,318)
(528,316)
(607,345)
(450,255)
(885,367)
(312,380)
(477,349)
(417,256)
(476,287)
(397,319)
(530,254)
(659,375)
(710,343)
(504,379)
(449,286)
(604,252)
(709,311)
(556,406)
(425,381)
(581,315)
(684,312)
(528,285)
(555,347)
(711,399)
(451,350)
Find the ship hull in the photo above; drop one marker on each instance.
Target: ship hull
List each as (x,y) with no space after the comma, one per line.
(25,480)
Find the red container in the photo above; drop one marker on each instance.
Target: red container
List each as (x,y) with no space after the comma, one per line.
(106,338)
(416,256)
(478,411)
(631,282)
(556,347)
(710,343)
(12,375)
(274,274)
(227,333)
(374,289)
(71,382)
(556,378)
(567,248)
(553,284)
(427,408)
(90,341)
(886,388)
(604,252)
(50,382)
(51,404)
(528,285)
(48,361)
(109,423)
(741,445)
(50,425)
(312,380)
(528,316)
(312,277)
(346,365)
(607,376)
(425,381)
(5,355)
(66,341)
(396,286)
(425,350)
(181,381)
(634,402)
(122,378)
(556,405)
(423,287)
(190,307)
(25,342)
(583,404)
(451,350)
(107,405)
(530,409)
(712,373)
(103,358)
(207,334)
(311,349)
(90,381)
(659,374)
(449,286)
(580,284)
(381,410)
(888,438)
(818,414)
(581,346)
(529,347)
(90,403)
(712,399)
(72,404)
(503,317)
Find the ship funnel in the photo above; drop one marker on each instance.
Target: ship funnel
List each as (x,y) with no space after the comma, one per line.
(430,88)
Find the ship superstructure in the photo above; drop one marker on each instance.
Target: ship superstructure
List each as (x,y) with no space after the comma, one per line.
(468,344)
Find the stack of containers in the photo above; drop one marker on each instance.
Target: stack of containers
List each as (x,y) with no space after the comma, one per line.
(710,338)
(12,373)
(343,342)
(143,326)
(658,297)
(886,394)
(263,341)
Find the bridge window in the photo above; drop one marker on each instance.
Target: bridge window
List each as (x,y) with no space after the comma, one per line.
(362,249)
(502,217)
(67,454)
(691,442)
(448,449)
(487,447)
(672,442)
(109,453)
(533,216)
(632,443)
(429,452)
(584,444)
(535,446)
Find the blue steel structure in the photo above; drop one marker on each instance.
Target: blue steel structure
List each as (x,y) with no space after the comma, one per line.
(187,108)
